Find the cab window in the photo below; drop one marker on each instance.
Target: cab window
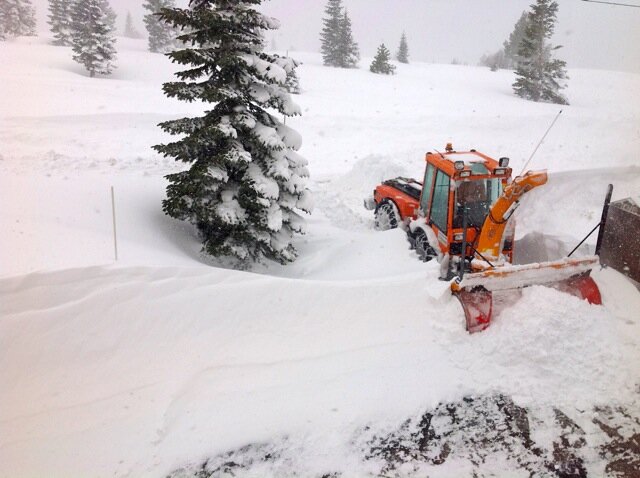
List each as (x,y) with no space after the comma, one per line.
(425,200)
(440,204)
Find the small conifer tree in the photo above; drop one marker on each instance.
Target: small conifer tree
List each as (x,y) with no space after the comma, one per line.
(246,183)
(162,37)
(17,18)
(403,51)
(539,75)
(60,21)
(92,37)
(130,31)
(381,63)
(292,84)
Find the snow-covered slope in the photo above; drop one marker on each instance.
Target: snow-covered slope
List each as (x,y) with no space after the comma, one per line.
(138,367)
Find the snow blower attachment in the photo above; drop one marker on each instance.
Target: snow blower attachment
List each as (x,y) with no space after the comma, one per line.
(462,215)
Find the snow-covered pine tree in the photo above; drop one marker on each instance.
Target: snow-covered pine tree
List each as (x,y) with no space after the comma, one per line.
(246,183)
(349,53)
(292,84)
(17,18)
(331,34)
(162,37)
(60,21)
(403,50)
(130,31)
(512,45)
(381,63)
(539,75)
(92,37)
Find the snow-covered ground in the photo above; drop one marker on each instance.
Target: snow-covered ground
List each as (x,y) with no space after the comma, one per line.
(139,367)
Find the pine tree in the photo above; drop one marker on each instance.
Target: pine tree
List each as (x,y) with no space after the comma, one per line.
(292,84)
(161,35)
(331,33)
(246,182)
(512,45)
(130,31)
(381,63)
(60,21)
(17,18)
(338,47)
(92,38)
(349,53)
(539,75)
(403,51)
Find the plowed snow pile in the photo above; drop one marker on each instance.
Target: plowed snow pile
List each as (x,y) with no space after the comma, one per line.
(353,361)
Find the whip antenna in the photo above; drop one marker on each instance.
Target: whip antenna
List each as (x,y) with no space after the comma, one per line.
(540,143)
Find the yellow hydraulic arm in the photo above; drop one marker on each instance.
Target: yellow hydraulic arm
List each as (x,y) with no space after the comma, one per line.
(490,239)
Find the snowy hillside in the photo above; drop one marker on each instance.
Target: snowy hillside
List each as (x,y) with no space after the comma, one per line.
(161,360)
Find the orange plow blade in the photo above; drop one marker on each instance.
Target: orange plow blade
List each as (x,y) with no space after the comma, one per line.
(474,291)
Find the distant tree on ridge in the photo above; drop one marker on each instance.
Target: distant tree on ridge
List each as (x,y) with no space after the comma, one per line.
(130,31)
(539,75)
(381,63)
(92,39)
(403,50)
(338,46)
(17,18)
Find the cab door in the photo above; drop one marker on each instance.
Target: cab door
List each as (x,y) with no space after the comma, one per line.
(439,211)
(427,192)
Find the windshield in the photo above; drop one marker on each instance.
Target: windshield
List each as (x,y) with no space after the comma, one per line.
(477,196)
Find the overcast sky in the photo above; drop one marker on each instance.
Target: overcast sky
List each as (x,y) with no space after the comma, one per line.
(593,35)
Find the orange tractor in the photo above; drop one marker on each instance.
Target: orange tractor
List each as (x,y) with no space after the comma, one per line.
(461,214)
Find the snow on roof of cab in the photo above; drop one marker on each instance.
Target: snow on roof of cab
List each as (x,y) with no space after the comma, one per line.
(464,156)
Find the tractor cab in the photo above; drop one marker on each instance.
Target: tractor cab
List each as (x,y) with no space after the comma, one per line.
(449,207)
(458,191)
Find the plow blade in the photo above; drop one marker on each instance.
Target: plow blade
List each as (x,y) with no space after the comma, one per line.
(571,276)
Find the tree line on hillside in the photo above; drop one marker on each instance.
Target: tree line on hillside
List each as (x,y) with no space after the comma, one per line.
(540,76)
(88,27)
(339,49)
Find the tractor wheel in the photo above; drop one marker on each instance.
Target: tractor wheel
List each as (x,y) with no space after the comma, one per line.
(387,216)
(423,248)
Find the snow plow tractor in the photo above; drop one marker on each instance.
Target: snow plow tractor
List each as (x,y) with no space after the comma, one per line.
(462,215)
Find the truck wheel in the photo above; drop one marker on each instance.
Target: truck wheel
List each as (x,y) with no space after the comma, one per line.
(386,216)
(423,248)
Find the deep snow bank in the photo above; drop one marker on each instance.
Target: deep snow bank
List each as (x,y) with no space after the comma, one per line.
(145,369)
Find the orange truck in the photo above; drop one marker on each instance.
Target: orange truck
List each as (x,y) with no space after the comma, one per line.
(462,215)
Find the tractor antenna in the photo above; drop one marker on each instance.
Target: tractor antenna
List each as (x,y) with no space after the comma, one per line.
(441,155)
(540,143)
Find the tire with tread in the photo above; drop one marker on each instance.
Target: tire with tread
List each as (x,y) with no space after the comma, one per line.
(423,248)
(387,216)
